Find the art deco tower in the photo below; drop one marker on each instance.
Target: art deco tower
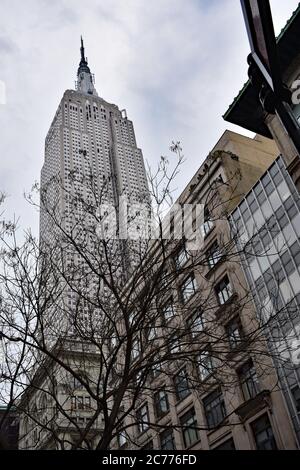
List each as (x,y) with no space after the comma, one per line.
(88,137)
(88,132)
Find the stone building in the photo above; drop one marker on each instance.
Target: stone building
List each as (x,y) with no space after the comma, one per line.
(228,398)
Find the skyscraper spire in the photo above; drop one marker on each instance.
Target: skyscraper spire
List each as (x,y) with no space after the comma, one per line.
(83,66)
(82,49)
(85,82)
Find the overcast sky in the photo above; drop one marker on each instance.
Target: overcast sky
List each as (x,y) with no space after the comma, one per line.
(175,65)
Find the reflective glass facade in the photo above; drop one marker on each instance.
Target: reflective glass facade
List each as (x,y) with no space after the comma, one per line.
(266,225)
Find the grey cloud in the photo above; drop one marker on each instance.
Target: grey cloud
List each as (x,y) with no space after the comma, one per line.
(7,45)
(175,65)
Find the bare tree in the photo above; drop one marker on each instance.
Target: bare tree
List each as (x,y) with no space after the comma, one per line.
(94,325)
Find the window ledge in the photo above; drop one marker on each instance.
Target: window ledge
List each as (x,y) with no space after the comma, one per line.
(222,308)
(162,416)
(238,349)
(184,303)
(215,267)
(196,443)
(254,405)
(224,422)
(207,236)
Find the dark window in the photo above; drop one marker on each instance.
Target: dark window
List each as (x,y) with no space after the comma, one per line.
(164,279)
(263,434)
(181,258)
(257,246)
(156,368)
(277,179)
(151,333)
(214,407)
(281,217)
(205,364)
(142,416)
(265,238)
(287,262)
(278,271)
(168,310)
(189,427)
(122,438)
(261,197)
(167,440)
(267,184)
(234,332)
(227,445)
(174,344)
(295,250)
(195,323)
(296,397)
(188,288)
(272,226)
(161,403)
(136,349)
(290,207)
(248,380)
(78,403)
(270,282)
(252,202)
(224,290)
(245,211)
(207,225)
(181,383)
(213,255)
(273,171)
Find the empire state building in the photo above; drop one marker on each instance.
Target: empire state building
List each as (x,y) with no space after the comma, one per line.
(90,134)
(91,160)
(89,140)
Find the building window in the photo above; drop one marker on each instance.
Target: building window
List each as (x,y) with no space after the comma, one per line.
(234,333)
(136,349)
(213,255)
(174,344)
(295,250)
(156,368)
(227,445)
(122,438)
(248,380)
(167,440)
(263,434)
(189,428)
(207,225)
(195,323)
(224,290)
(142,416)
(181,383)
(161,403)
(164,279)
(268,184)
(188,288)
(80,403)
(168,310)
(205,364)
(152,333)
(281,217)
(214,407)
(181,258)
(296,397)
